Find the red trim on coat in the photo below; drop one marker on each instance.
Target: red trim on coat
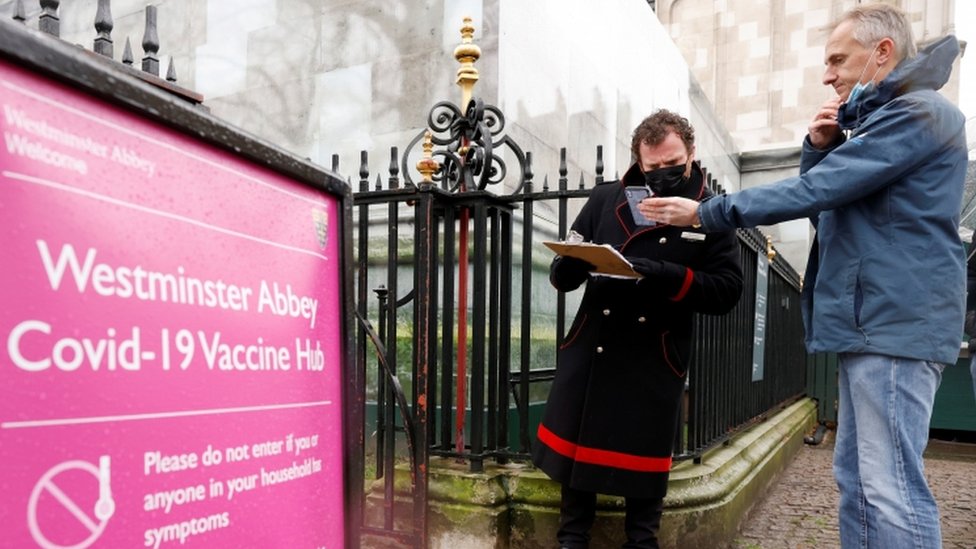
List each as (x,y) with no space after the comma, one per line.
(642,230)
(578,331)
(623,224)
(606,458)
(664,351)
(685,286)
(620,219)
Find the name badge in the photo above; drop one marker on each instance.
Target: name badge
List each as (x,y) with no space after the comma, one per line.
(692,236)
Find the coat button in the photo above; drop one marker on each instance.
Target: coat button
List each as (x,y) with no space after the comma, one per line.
(642,319)
(663,240)
(606,312)
(599,349)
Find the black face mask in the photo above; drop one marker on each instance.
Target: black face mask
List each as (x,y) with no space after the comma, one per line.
(663,181)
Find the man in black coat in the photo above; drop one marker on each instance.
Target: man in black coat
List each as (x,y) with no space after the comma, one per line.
(610,421)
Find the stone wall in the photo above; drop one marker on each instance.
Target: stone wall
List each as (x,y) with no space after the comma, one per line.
(761,62)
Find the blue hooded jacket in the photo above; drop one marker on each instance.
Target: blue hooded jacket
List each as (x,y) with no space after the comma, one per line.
(886,273)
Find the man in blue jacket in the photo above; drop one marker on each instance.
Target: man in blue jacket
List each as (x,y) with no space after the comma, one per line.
(881,178)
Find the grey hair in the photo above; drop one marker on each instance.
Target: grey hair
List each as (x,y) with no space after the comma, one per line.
(874,22)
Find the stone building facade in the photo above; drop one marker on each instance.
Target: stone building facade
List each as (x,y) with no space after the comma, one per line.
(760,62)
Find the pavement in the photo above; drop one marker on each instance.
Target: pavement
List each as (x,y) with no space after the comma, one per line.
(799,511)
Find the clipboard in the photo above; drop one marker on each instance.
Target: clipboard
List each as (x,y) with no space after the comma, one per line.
(607,260)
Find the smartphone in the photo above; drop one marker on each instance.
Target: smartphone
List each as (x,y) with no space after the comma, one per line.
(634,196)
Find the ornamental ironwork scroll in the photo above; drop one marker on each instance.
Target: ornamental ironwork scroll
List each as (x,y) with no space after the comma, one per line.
(468,139)
(471,146)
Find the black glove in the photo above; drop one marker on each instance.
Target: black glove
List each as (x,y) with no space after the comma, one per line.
(972,345)
(662,271)
(568,273)
(650,268)
(668,277)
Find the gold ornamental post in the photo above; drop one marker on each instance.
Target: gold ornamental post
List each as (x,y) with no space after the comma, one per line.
(466,53)
(427,166)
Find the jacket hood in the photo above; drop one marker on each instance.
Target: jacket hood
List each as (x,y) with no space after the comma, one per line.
(930,70)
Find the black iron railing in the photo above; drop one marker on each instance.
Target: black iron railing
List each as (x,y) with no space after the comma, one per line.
(48,20)
(474,389)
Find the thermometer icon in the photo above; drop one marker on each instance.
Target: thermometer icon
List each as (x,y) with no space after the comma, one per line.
(105,506)
(56,516)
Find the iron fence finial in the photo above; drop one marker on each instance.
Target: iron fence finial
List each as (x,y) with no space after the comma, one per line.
(20,13)
(394,181)
(103,27)
(127,58)
(427,166)
(171,71)
(471,134)
(48,22)
(466,54)
(150,43)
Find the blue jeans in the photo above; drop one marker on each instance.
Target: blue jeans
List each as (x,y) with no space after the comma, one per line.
(883,426)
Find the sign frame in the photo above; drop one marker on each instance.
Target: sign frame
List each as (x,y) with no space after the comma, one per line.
(105,81)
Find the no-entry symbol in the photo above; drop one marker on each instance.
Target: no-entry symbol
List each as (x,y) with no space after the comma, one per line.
(71,504)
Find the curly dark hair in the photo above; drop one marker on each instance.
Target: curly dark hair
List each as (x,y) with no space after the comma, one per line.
(653,129)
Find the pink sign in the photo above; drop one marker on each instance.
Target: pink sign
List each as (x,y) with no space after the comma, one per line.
(171,363)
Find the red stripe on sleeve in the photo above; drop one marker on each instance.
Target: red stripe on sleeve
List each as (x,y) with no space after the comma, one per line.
(685,286)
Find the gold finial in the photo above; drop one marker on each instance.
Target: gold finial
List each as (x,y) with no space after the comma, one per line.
(770,252)
(427,166)
(467,53)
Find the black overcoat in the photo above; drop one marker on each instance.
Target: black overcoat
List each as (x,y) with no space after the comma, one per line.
(610,421)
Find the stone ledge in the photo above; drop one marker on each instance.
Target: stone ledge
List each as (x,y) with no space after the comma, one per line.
(706,502)
(517,506)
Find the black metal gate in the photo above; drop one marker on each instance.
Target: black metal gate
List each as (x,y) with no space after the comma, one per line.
(458,326)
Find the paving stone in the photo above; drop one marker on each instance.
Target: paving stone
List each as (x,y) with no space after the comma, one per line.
(800,510)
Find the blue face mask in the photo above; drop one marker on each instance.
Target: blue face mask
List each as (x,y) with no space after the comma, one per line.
(860,88)
(857,90)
